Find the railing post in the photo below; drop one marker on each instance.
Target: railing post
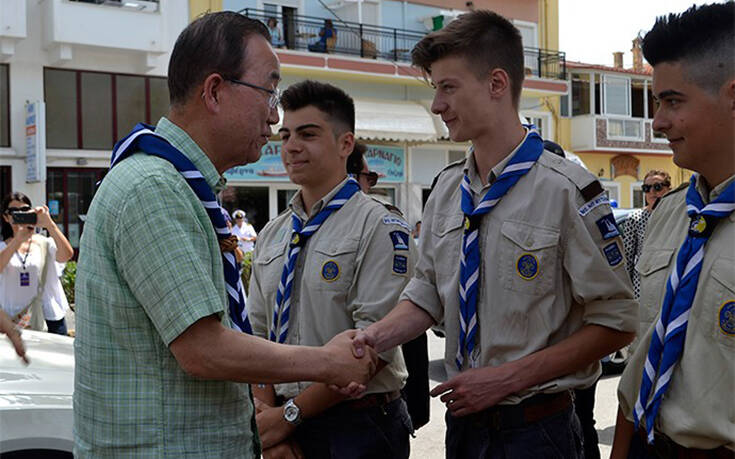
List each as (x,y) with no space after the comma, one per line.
(539,63)
(362,50)
(395,45)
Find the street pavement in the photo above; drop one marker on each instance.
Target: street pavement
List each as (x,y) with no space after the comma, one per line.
(429,441)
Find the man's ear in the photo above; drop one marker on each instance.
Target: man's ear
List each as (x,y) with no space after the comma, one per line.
(346,143)
(498,83)
(211,92)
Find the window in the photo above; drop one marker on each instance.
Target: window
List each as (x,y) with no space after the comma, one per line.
(617,95)
(598,98)
(529,38)
(93,110)
(638,98)
(4,106)
(637,193)
(628,129)
(6,186)
(613,190)
(580,94)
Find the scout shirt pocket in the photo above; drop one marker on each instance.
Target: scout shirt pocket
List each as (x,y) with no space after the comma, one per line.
(446,232)
(719,297)
(331,265)
(269,264)
(653,269)
(528,257)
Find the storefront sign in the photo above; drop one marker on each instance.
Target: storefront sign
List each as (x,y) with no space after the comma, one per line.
(388,162)
(35,142)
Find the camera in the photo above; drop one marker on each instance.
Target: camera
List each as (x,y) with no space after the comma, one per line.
(24,218)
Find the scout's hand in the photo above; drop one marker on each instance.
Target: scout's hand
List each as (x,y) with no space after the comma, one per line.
(362,342)
(8,327)
(343,367)
(272,427)
(476,389)
(286,450)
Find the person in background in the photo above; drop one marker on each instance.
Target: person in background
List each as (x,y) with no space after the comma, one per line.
(655,184)
(417,230)
(276,35)
(29,276)
(325,34)
(357,166)
(246,234)
(676,393)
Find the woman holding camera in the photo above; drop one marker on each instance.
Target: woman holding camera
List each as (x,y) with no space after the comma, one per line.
(29,280)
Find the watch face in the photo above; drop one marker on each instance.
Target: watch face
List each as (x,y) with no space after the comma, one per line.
(291,413)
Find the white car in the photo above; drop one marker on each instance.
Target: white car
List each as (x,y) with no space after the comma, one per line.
(36,418)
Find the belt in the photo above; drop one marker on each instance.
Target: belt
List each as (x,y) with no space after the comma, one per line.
(369,401)
(530,410)
(664,447)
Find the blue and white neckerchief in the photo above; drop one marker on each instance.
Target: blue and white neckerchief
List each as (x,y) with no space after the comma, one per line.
(469,269)
(667,341)
(142,138)
(299,236)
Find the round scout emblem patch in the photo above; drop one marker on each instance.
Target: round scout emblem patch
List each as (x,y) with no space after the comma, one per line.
(527,266)
(330,271)
(699,225)
(727,318)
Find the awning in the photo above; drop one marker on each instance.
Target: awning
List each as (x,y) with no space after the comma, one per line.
(398,121)
(394,120)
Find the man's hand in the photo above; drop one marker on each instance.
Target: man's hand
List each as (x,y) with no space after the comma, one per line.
(286,450)
(476,389)
(362,339)
(272,427)
(8,327)
(344,368)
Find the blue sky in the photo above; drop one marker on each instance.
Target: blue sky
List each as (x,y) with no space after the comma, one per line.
(591,30)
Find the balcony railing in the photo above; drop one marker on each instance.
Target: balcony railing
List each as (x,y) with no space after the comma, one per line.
(371,41)
(353,38)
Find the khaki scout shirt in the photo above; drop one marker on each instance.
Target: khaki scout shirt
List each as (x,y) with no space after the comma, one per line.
(521,312)
(697,410)
(372,271)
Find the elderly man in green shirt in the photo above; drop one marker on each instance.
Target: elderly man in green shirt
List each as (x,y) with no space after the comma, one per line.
(159,371)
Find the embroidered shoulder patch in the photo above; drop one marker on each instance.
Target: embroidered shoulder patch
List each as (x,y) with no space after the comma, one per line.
(399,239)
(727,318)
(607,226)
(400,264)
(389,220)
(613,254)
(590,205)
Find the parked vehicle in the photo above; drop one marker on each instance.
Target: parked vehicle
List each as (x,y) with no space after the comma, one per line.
(36,417)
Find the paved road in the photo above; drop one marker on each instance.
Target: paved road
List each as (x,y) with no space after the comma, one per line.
(429,441)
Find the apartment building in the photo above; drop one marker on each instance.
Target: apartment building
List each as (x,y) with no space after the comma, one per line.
(608,123)
(76,75)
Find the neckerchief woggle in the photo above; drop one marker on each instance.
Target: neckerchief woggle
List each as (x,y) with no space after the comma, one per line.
(299,236)
(142,138)
(469,270)
(667,341)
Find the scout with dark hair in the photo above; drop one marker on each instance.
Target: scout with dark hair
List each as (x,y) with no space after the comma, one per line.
(334,260)
(517,261)
(676,392)
(162,347)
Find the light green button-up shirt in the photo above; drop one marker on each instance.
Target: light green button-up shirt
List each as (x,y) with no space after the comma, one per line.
(149,267)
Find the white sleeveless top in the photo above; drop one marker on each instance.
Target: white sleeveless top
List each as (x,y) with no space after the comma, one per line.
(14,297)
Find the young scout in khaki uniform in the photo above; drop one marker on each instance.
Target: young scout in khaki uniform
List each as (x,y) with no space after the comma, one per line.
(348,274)
(682,404)
(552,295)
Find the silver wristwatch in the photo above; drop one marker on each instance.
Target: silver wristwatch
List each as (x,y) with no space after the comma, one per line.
(292,413)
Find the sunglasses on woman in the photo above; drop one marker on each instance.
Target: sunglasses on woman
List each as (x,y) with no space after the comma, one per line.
(10,210)
(371,176)
(656,186)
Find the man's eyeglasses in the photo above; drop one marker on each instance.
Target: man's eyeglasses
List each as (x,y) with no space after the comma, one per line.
(371,176)
(275,94)
(656,186)
(18,209)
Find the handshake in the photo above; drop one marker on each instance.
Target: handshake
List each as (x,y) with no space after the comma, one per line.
(352,362)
